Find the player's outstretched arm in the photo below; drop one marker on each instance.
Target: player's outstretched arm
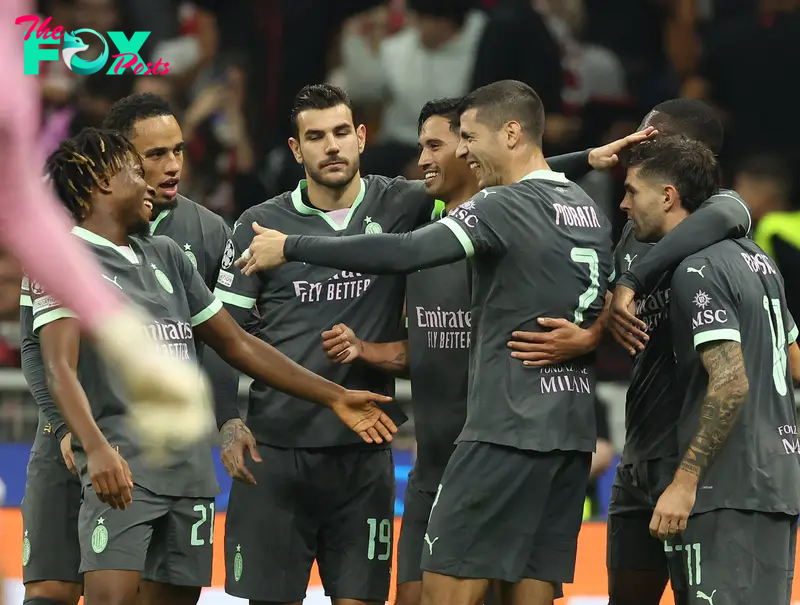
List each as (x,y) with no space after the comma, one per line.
(257,359)
(376,254)
(722,216)
(342,346)
(726,393)
(110,475)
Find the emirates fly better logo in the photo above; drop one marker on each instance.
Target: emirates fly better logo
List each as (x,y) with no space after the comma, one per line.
(41,44)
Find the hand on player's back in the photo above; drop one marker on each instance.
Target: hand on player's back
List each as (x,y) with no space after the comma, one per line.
(359,411)
(264,252)
(627,329)
(110,475)
(237,440)
(341,344)
(607,156)
(68,454)
(562,341)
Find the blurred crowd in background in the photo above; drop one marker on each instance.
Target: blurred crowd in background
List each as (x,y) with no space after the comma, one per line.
(599,66)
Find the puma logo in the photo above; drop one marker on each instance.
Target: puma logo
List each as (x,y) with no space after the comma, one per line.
(701,595)
(431,543)
(113,281)
(698,271)
(629,259)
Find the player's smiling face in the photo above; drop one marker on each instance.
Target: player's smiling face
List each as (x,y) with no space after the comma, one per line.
(481,149)
(132,196)
(160,142)
(445,174)
(644,203)
(329,145)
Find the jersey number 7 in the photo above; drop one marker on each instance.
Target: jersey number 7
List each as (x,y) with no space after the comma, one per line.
(587,256)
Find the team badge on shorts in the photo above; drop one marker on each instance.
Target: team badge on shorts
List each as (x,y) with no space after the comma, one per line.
(100,536)
(187,249)
(238,563)
(163,280)
(372,227)
(26,550)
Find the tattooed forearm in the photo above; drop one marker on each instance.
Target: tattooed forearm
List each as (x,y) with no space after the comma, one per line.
(391,357)
(232,431)
(727,391)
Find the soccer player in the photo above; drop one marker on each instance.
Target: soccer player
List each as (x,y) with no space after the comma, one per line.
(35,229)
(730,511)
(166,532)
(50,550)
(540,247)
(150,124)
(437,350)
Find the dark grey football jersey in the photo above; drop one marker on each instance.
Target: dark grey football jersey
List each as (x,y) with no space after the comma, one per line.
(731,291)
(203,236)
(540,248)
(155,275)
(297,302)
(653,401)
(33,369)
(439,335)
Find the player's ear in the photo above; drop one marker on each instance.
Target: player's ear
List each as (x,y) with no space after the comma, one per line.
(104,186)
(671,198)
(361,133)
(294,145)
(513,132)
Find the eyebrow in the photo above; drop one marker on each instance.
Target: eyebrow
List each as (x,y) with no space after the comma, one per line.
(155,150)
(341,126)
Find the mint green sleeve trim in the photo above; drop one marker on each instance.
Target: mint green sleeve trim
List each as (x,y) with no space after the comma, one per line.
(460,234)
(51,316)
(237,300)
(207,313)
(793,335)
(25,300)
(717,336)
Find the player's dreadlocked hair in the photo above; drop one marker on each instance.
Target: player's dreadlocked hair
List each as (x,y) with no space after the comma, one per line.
(124,114)
(83,162)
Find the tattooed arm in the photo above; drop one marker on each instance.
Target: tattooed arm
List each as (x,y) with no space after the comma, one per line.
(236,441)
(343,346)
(726,393)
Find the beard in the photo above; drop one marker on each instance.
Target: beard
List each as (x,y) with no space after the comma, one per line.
(338,180)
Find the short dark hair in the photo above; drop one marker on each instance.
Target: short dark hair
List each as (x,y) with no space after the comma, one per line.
(684,163)
(692,118)
(317,96)
(81,163)
(448,108)
(124,114)
(508,100)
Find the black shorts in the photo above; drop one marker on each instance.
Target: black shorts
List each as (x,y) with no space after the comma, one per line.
(417,511)
(734,557)
(637,487)
(335,505)
(507,514)
(167,539)
(50,547)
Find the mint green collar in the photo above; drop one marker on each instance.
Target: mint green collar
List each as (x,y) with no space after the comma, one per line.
(95,239)
(302,208)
